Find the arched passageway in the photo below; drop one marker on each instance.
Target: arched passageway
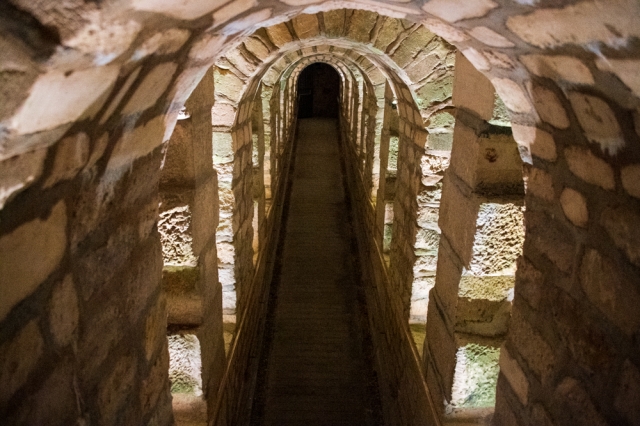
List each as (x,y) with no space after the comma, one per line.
(318,91)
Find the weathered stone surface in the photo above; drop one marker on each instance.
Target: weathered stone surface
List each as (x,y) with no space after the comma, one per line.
(58,98)
(529,282)
(232,9)
(185,368)
(116,388)
(223,114)
(152,87)
(17,173)
(582,23)
(512,94)
(565,68)
(257,48)
(498,239)
(578,403)
(535,351)
(187,9)
(574,206)
(631,179)
(475,376)
(63,312)
(598,122)
(445,31)
(174,226)
(227,85)
(72,154)
(490,37)
(589,168)
(479,61)
(472,90)
(610,291)
(279,35)
(620,223)
(163,43)
(515,376)
(360,25)
(30,253)
(306,26)
(540,142)
(18,358)
(115,102)
(625,69)
(155,383)
(137,143)
(457,10)
(549,107)
(540,184)
(628,393)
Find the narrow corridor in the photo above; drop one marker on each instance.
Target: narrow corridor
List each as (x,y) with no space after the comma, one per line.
(316,366)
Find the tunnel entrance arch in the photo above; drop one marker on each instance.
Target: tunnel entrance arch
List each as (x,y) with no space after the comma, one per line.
(318,91)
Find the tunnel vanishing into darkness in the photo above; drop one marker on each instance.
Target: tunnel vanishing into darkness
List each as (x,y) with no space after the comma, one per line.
(195,229)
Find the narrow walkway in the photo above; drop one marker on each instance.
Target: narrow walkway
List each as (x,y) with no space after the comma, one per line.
(317,355)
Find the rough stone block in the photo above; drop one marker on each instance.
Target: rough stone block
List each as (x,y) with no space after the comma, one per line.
(18,358)
(548,106)
(611,291)
(627,398)
(574,206)
(306,26)
(510,368)
(72,154)
(535,351)
(63,312)
(17,173)
(621,225)
(29,254)
(590,168)
(598,122)
(567,68)
(57,98)
(154,84)
(458,10)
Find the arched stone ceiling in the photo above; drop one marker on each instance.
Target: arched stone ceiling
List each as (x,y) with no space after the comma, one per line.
(587,46)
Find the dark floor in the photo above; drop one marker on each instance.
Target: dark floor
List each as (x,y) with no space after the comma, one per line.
(317,366)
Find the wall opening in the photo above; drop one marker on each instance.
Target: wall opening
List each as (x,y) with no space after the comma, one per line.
(318,91)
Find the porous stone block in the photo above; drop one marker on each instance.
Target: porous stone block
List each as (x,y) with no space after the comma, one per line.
(512,95)
(540,184)
(17,173)
(72,154)
(57,98)
(548,106)
(567,68)
(176,234)
(620,223)
(306,26)
(574,206)
(18,358)
(518,381)
(590,168)
(598,122)
(535,351)
(610,291)
(475,376)
(631,179)
(581,23)
(29,254)
(63,312)
(627,398)
(154,84)
(458,10)
(137,143)
(541,143)
(187,10)
(577,402)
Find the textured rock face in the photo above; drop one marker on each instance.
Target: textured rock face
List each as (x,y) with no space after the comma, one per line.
(89,93)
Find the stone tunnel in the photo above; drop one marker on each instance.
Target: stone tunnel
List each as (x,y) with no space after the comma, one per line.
(208,207)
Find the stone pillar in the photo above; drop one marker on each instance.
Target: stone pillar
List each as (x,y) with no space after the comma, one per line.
(188,218)
(481,219)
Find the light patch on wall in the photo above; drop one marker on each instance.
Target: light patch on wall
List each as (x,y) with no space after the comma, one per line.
(185,364)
